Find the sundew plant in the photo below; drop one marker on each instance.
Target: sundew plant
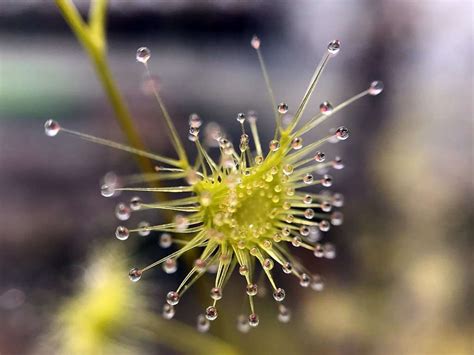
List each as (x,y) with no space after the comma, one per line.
(248,209)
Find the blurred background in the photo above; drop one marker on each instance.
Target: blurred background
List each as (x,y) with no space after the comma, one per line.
(402,281)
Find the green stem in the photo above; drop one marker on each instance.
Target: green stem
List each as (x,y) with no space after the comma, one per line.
(92,38)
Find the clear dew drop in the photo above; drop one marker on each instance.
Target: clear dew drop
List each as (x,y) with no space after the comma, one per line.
(223,142)
(317,283)
(253,320)
(252,289)
(326,206)
(304,231)
(338,200)
(296,241)
(318,251)
(284,314)
(324,226)
(305,280)
(144,229)
(287,268)
(308,179)
(258,160)
(307,199)
(297,143)
(211,313)
(107,190)
(326,108)
(334,47)
(309,214)
(342,133)
(327,181)
(329,251)
(134,274)
(338,163)
(122,233)
(241,117)
(268,264)
(243,324)
(194,120)
(170,266)
(319,157)
(274,145)
(314,234)
(143,54)
(279,294)
(216,293)
(172,298)
(255,42)
(135,203)
(282,108)
(51,128)
(202,323)
(165,240)
(375,88)
(122,212)
(168,311)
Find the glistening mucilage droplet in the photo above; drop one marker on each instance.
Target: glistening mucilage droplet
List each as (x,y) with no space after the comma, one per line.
(326,108)
(135,274)
(172,298)
(143,54)
(51,128)
(255,42)
(211,313)
(122,233)
(279,294)
(282,108)
(253,320)
(376,87)
(334,47)
(342,133)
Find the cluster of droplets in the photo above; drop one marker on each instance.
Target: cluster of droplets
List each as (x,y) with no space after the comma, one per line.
(248,208)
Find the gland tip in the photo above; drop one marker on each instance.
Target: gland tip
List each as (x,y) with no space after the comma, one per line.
(334,47)
(51,128)
(143,54)
(255,42)
(375,88)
